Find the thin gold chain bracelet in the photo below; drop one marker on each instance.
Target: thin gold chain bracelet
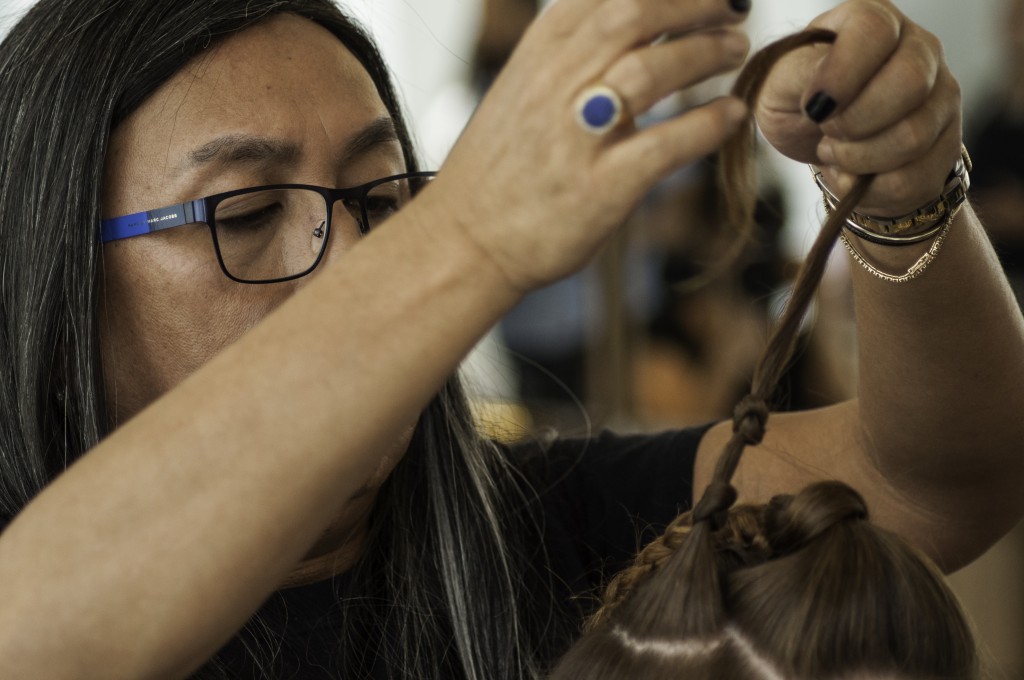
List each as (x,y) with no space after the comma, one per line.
(915,269)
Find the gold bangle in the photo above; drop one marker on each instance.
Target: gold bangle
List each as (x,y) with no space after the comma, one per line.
(918,267)
(920,225)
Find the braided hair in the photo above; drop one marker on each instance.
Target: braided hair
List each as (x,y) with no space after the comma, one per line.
(804,586)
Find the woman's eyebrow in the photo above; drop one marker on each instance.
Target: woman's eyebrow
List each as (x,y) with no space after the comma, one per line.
(241,148)
(257,150)
(378,133)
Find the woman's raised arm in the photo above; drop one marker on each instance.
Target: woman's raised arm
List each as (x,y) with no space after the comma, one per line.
(934,438)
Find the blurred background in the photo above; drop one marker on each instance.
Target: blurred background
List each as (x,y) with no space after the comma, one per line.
(645,339)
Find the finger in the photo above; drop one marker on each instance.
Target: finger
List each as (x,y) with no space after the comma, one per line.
(614,27)
(900,87)
(909,138)
(901,191)
(639,160)
(566,18)
(867,35)
(779,113)
(647,75)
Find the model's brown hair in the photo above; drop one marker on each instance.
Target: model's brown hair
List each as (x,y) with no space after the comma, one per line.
(804,587)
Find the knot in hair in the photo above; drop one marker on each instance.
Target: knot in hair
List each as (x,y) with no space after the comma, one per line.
(750,417)
(791,522)
(717,498)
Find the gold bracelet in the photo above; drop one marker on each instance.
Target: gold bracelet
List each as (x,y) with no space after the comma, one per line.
(916,227)
(918,267)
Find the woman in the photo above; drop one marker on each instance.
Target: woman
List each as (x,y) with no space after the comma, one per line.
(229,438)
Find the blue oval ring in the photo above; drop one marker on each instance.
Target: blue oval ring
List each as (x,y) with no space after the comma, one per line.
(598,109)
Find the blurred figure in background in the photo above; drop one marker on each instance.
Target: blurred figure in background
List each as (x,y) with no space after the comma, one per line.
(698,350)
(996,144)
(688,338)
(547,332)
(991,587)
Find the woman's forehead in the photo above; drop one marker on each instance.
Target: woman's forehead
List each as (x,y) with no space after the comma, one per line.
(265,77)
(285,80)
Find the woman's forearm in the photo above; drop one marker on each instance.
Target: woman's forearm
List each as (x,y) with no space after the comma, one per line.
(151,550)
(941,376)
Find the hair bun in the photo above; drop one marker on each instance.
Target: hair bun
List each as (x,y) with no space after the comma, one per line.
(791,522)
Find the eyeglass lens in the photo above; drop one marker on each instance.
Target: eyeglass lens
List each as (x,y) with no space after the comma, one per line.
(279,233)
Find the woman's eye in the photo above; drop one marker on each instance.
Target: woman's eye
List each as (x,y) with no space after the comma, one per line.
(258,218)
(381,207)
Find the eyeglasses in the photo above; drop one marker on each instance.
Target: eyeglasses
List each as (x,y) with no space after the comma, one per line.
(276,233)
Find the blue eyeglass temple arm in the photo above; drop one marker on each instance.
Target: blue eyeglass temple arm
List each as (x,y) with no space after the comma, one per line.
(153,220)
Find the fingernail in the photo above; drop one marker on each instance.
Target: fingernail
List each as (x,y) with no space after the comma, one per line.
(740,6)
(820,107)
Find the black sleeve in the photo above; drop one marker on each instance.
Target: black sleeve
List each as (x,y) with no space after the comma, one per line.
(604,498)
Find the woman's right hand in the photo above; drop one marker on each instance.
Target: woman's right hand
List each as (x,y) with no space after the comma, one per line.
(536,193)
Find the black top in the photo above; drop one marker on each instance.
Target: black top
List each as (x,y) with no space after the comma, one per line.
(601,498)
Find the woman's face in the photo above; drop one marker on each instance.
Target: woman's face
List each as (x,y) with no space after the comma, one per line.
(282,102)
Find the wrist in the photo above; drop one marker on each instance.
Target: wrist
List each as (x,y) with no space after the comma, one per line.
(927,228)
(465,257)
(918,226)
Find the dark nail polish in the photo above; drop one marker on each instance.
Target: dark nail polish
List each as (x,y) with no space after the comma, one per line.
(820,107)
(740,6)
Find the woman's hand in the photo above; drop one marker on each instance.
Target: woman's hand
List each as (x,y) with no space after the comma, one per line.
(535,192)
(885,101)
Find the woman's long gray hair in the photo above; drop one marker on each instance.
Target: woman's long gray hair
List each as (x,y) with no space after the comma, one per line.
(442,577)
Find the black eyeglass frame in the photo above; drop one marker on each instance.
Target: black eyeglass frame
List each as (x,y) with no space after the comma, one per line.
(202,210)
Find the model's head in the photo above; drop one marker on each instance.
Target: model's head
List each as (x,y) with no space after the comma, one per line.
(803,588)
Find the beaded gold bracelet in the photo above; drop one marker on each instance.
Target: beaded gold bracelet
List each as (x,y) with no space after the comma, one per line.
(916,227)
(915,269)
(931,222)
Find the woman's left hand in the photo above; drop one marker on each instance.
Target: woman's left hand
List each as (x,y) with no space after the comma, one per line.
(885,101)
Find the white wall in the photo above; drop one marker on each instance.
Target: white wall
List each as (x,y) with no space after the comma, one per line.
(10,10)
(429,46)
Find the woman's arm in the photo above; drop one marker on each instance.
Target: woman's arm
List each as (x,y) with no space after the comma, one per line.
(146,554)
(155,547)
(934,439)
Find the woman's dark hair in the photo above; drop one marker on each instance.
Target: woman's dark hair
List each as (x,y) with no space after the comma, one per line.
(802,588)
(446,585)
